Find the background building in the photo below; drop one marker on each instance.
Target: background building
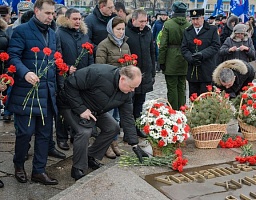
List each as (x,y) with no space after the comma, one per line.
(154,6)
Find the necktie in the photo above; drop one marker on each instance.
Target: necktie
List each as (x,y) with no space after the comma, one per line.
(198,30)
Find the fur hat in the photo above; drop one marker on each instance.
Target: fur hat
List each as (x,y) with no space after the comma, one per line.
(24,6)
(179,7)
(240,28)
(4,10)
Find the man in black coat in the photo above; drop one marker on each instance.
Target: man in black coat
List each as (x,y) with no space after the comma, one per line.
(97,21)
(91,93)
(233,75)
(141,43)
(72,33)
(201,57)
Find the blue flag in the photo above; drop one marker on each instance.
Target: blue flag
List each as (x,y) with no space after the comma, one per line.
(60,2)
(215,10)
(4,2)
(252,12)
(14,5)
(240,7)
(219,8)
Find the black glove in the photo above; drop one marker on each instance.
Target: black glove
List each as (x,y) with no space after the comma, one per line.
(162,67)
(197,62)
(197,56)
(139,153)
(153,80)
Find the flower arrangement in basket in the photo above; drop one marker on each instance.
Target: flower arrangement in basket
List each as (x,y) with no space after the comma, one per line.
(247,155)
(246,111)
(208,115)
(164,126)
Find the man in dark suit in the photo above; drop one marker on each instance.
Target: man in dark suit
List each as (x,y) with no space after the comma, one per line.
(35,118)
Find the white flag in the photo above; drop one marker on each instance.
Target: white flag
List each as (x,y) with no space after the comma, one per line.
(204,4)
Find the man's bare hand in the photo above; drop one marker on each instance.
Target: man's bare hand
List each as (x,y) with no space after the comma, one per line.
(3,87)
(72,69)
(32,78)
(88,115)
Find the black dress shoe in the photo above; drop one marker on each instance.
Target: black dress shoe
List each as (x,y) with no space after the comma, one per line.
(44,179)
(56,154)
(63,145)
(141,134)
(20,175)
(7,118)
(94,164)
(77,173)
(1,184)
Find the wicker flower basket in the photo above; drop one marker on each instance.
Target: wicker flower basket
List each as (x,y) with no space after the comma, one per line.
(157,151)
(208,136)
(248,131)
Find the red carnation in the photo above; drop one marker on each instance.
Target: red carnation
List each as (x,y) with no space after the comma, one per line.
(159,122)
(244,96)
(161,143)
(12,69)
(146,129)
(4,56)
(35,49)
(57,55)
(164,133)
(47,51)
(175,128)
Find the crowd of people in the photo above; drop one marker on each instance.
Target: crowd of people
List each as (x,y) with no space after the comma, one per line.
(98,94)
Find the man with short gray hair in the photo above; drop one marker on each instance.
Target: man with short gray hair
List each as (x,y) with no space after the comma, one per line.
(233,75)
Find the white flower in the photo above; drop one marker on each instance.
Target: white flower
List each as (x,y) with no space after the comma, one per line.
(153,113)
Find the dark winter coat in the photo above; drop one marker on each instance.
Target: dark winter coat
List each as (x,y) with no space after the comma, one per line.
(242,55)
(170,45)
(209,48)
(3,36)
(26,36)
(3,40)
(108,52)
(71,41)
(97,24)
(228,28)
(244,74)
(70,45)
(96,88)
(141,44)
(158,25)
